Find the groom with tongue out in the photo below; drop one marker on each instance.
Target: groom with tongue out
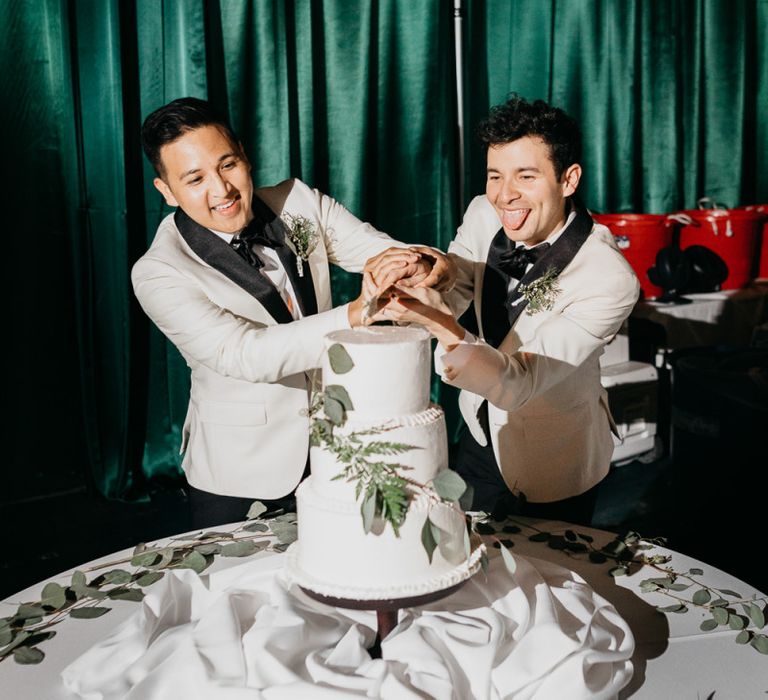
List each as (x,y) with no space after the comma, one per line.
(550,289)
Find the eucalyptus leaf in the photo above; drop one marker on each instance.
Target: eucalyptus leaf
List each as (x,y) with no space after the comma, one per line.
(597,558)
(286,532)
(214,535)
(708,625)
(135,595)
(485,529)
(428,540)
(756,615)
(465,502)
(340,394)
(146,558)
(570,535)
(117,577)
(242,548)
(280,547)
(339,359)
(737,622)
(436,532)
(25,612)
(617,571)
(31,621)
(368,510)
(19,639)
(256,509)
(484,563)
(509,560)
(6,636)
(28,655)
(334,410)
(209,548)
(256,527)
(149,578)
(676,608)
(511,529)
(53,596)
(743,637)
(449,485)
(539,537)
(719,603)
(701,597)
(194,561)
(678,586)
(730,593)
(78,579)
(721,615)
(760,642)
(586,538)
(88,613)
(696,572)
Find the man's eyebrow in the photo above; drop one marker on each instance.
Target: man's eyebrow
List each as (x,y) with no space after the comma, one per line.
(197,170)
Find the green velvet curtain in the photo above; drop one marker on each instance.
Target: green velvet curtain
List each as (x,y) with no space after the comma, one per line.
(672,95)
(356,97)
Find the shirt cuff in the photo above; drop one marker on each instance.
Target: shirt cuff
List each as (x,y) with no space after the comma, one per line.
(454,360)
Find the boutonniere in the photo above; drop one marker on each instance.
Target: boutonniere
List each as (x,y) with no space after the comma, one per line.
(541,292)
(302,238)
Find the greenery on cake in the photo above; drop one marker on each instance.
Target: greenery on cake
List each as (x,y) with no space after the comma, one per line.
(383,488)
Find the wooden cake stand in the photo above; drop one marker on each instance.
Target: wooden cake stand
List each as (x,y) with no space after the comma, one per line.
(387,610)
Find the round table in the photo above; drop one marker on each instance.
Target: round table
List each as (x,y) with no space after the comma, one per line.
(673,657)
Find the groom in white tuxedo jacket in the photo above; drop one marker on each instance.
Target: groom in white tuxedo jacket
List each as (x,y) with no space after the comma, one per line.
(238,279)
(549,289)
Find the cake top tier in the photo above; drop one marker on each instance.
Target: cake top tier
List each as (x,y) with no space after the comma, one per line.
(390,370)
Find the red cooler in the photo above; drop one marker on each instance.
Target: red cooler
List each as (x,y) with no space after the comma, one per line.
(762,270)
(734,234)
(640,237)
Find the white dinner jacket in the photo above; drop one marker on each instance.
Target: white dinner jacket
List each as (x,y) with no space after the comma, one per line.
(246,431)
(548,413)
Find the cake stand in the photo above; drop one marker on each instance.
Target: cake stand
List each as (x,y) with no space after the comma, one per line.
(387,610)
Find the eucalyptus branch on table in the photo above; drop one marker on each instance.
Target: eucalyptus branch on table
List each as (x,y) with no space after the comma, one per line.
(32,624)
(629,553)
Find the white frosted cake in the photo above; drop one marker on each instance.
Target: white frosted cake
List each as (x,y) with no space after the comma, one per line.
(388,388)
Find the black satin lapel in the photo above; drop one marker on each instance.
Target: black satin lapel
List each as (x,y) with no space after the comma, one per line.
(559,256)
(220,256)
(493,322)
(302,284)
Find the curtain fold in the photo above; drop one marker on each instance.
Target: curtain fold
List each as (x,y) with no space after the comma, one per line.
(668,94)
(358,100)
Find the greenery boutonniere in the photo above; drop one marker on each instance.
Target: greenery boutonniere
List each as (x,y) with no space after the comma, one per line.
(541,292)
(302,238)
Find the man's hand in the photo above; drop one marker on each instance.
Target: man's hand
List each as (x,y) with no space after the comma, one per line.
(395,264)
(443,274)
(424,306)
(363,310)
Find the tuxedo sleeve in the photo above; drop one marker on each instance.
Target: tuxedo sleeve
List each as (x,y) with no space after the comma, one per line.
(218,339)
(560,344)
(462,252)
(350,242)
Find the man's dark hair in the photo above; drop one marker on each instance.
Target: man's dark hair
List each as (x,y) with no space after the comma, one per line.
(517,118)
(173,120)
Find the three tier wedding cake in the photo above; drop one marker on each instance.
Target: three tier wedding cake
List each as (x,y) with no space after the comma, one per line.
(371,523)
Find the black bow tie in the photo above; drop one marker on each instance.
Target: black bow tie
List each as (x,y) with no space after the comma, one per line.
(515,260)
(248,237)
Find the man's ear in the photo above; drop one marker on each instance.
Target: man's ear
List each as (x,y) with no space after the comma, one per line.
(163,189)
(571,178)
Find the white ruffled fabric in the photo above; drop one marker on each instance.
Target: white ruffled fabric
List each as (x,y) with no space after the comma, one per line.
(247,633)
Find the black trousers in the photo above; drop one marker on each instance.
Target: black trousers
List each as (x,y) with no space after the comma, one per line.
(210,509)
(477,466)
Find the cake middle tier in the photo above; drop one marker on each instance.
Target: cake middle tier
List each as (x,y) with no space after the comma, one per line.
(424,433)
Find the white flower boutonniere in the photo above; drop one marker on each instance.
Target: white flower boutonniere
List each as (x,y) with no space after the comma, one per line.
(302,238)
(541,292)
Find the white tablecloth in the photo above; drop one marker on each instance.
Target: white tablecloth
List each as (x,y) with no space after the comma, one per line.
(673,658)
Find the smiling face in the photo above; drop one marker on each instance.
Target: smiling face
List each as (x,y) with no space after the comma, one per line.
(524,191)
(209,177)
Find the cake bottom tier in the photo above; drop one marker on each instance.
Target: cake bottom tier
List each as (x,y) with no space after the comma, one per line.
(335,557)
